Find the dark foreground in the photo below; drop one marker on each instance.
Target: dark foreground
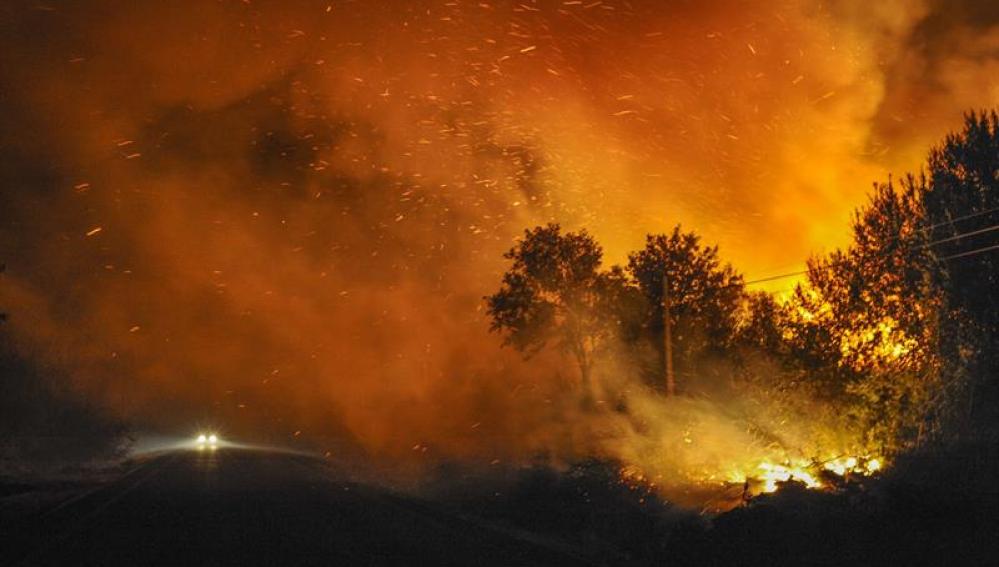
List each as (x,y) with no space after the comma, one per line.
(239,507)
(242,507)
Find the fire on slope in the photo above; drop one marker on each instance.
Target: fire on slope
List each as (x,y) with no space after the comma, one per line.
(769,475)
(720,493)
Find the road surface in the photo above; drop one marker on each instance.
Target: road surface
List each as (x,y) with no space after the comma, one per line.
(244,507)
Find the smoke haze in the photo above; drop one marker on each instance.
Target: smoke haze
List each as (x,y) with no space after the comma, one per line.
(282,216)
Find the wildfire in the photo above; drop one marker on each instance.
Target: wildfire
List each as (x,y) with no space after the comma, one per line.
(884,342)
(769,475)
(766,477)
(772,474)
(693,452)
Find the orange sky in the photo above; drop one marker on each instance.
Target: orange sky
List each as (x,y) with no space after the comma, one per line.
(323,190)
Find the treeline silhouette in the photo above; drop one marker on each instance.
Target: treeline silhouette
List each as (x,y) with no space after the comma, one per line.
(897,332)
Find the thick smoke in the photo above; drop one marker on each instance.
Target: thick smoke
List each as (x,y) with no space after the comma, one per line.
(281,217)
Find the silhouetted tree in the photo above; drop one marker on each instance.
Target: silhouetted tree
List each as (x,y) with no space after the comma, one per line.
(555,292)
(760,326)
(961,207)
(705,295)
(870,329)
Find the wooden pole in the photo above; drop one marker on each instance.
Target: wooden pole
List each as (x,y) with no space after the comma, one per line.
(668,339)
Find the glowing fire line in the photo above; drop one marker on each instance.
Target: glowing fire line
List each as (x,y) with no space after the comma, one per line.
(809,473)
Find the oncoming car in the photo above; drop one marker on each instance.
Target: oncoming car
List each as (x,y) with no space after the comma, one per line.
(207,440)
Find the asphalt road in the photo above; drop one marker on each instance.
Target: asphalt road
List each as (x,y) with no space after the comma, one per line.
(243,507)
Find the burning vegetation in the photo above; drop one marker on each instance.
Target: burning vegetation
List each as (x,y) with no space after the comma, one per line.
(869,357)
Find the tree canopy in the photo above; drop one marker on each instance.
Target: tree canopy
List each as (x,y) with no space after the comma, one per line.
(704,293)
(895,333)
(555,291)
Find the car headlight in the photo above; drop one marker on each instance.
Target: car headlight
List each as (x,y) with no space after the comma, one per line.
(206,440)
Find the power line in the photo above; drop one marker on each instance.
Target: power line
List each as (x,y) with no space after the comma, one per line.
(972,252)
(951,257)
(960,236)
(923,246)
(777,277)
(959,219)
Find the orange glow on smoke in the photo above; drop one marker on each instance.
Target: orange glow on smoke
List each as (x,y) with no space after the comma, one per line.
(285,214)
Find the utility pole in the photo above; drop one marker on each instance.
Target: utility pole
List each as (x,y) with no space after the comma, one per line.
(668,339)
